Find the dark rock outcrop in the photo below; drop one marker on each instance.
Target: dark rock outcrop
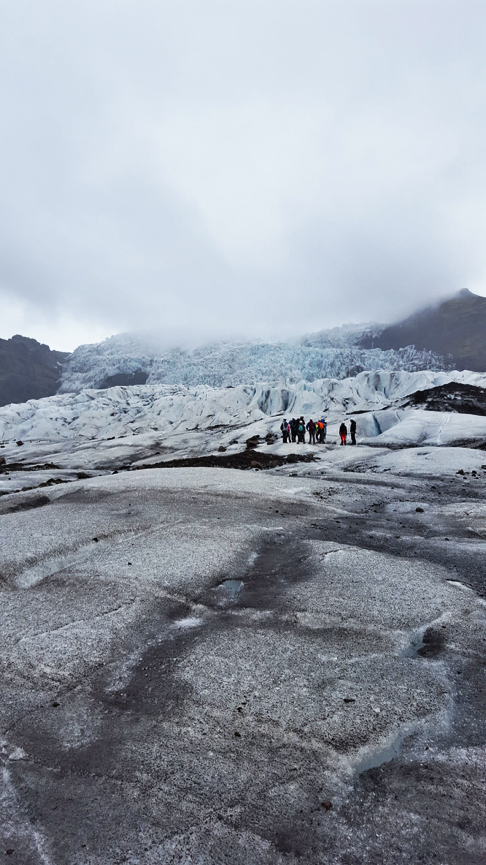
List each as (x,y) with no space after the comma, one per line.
(28,369)
(244,460)
(124,379)
(455,397)
(456,327)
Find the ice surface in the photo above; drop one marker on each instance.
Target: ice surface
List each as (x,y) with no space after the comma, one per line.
(105,428)
(199,664)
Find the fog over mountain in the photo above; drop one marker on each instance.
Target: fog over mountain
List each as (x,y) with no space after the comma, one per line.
(442,337)
(251,170)
(456,327)
(446,336)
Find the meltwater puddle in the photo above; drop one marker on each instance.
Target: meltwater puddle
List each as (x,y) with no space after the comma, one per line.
(224,595)
(229,591)
(373,759)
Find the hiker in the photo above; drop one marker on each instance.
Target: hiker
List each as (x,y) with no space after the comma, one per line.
(285,431)
(301,430)
(293,429)
(311,429)
(343,432)
(321,428)
(352,429)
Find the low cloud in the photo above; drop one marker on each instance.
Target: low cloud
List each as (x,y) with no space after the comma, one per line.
(261,168)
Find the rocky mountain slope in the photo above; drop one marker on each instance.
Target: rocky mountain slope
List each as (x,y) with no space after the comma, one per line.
(28,369)
(456,327)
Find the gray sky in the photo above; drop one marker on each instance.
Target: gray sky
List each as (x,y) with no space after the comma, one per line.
(256,167)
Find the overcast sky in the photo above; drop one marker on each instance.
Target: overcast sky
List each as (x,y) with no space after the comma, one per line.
(258,167)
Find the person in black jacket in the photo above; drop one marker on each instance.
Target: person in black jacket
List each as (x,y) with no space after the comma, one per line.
(311,429)
(352,429)
(343,432)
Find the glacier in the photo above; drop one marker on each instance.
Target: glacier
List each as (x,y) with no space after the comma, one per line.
(329,354)
(99,429)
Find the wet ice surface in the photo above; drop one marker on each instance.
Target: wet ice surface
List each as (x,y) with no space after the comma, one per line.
(196,663)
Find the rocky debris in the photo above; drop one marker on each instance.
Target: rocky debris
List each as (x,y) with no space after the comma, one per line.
(249,459)
(124,379)
(478,444)
(453,396)
(26,505)
(25,467)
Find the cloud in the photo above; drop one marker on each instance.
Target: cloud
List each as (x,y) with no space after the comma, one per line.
(260,167)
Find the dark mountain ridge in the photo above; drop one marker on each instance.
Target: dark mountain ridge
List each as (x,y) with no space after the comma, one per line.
(455,327)
(28,369)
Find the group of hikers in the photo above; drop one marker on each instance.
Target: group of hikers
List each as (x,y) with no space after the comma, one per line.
(294,431)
